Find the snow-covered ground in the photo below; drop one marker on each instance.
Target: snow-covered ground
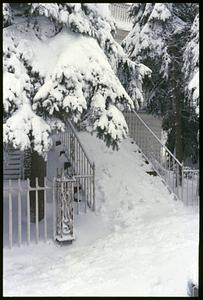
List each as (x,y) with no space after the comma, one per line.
(139,242)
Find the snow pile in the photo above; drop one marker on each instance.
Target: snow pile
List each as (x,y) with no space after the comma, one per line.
(140,242)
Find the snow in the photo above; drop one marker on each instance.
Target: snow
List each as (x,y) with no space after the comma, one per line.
(160,11)
(70,69)
(124,25)
(139,242)
(153,23)
(194,84)
(18,126)
(101,8)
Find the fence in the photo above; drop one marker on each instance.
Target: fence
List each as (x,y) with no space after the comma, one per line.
(182,182)
(17,214)
(61,198)
(119,12)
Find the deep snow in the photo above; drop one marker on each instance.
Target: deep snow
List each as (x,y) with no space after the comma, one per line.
(139,242)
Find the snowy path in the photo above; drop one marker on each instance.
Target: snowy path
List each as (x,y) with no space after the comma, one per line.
(140,242)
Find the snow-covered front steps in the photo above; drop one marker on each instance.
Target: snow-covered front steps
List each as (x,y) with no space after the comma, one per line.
(139,242)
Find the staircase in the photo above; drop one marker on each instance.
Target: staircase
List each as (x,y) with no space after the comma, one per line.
(13,163)
(180,180)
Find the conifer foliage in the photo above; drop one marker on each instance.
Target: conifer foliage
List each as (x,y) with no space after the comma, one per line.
(165,38)
(61,61)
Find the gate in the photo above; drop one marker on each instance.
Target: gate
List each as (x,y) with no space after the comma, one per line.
(64,203)
(64,196)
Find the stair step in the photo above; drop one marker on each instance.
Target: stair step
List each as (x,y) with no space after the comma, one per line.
(7,177)
(14,153)
(12,168)
(13,158)
(11,172)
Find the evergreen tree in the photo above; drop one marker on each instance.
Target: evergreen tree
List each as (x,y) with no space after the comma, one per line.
(92,79)
(7,15)
(191,65)
(157,39)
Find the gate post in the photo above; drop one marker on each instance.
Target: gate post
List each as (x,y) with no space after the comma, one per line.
(64,208)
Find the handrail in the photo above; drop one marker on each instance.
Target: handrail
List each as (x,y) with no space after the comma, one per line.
(81,167)
(182,182)
(163,145)
(76,135)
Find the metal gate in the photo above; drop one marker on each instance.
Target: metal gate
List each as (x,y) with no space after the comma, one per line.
(64,196)
(64,187)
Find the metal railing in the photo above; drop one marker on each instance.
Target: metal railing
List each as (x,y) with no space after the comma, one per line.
(119,12)
(81,166)
(19,224)
(18,227)
(182,182)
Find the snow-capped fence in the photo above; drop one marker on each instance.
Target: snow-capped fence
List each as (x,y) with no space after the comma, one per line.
(184,183)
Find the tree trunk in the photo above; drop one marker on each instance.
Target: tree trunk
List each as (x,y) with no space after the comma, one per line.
(38,170)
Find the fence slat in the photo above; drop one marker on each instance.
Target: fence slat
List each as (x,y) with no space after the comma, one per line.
(19,215)
(10,215)
(37,211)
